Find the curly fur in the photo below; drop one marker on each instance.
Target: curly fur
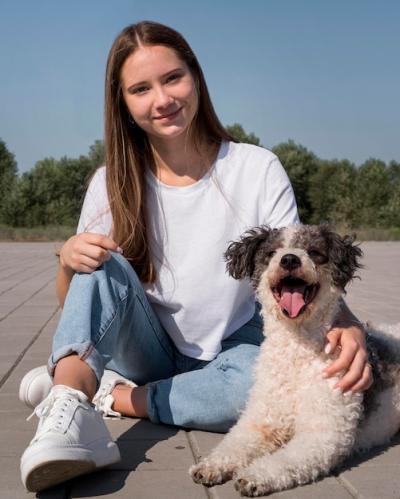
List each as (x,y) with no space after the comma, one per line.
(295,426)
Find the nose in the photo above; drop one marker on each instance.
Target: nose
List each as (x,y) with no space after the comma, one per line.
(162,98)
(290,262)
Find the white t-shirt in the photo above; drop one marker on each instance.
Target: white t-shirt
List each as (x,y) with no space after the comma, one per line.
(197,302)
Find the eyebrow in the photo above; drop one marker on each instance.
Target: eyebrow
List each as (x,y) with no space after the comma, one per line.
(137,84)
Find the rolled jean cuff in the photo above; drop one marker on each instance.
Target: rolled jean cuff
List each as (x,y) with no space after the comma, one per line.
(152,412)
(86,351)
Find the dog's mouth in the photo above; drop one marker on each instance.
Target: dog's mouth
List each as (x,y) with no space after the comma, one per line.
(293,295)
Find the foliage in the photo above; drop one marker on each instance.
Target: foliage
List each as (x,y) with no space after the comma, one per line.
(372,193)
(50,194)
(300,164)
(331,192)
(8,177)
(47,199)
(45,233)
(97,153)
(237,132)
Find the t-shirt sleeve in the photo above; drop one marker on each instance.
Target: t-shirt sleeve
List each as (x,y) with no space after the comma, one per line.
(280,208)
(95,214)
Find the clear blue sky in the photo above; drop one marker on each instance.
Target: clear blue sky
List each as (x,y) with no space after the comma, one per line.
(326,74)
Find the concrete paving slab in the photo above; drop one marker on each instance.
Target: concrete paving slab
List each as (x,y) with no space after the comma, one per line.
(373,483)
(326,489)
(12,488)
(141,429)
(11,403)
(138,485)
(11,385)
(156,457)
(204,441)
(16,440)
(171,454)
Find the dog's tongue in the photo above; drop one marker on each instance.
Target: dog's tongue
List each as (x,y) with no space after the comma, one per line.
(292,299)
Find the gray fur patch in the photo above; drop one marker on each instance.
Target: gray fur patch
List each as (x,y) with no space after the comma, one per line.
(249,256)
(385,369)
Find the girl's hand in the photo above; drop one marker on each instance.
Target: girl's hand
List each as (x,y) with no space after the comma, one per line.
(87,251)
(353,358)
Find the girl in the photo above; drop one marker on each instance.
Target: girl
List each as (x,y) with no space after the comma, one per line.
(176,335)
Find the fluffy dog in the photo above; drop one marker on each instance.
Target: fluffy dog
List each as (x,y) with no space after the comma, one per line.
(295,426)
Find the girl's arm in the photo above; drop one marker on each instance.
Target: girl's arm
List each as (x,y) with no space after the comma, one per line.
(63,280)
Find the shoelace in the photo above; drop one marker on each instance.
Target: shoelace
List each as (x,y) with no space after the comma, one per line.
(51,412)
(103,401)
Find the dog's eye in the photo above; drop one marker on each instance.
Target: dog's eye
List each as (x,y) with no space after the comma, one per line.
(270,254)
(317,256)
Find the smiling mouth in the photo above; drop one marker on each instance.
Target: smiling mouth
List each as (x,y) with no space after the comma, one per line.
(293,295)
(170,115)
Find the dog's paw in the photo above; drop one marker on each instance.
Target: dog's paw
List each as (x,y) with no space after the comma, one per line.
(209,474)
(250,487)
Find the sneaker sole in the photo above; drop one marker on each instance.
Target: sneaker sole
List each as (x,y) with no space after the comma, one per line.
(52,473)
(74,463)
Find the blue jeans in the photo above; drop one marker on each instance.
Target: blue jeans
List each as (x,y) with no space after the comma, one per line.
(108,321)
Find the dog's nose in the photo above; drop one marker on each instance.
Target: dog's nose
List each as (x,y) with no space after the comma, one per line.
(290,262)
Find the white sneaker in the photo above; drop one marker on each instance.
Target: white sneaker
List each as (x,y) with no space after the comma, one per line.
(37,383)
(71,439)
(103,400)
(35,386)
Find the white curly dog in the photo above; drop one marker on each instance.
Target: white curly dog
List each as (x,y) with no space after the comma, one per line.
(296,427)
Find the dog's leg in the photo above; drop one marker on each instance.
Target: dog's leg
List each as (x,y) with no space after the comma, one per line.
(383,423)
(247,440)
(324,436)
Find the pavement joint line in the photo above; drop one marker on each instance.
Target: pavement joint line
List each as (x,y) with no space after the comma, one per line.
(16,272)
(21,355)
(24,270)
(23,303)
(349,488)
(194,447)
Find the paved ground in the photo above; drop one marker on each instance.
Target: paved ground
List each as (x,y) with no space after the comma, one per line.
(156,458)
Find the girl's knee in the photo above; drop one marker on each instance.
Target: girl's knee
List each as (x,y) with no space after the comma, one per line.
(115,272)
(118,264)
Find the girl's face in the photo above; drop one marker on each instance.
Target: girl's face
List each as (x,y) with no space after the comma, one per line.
(159,91)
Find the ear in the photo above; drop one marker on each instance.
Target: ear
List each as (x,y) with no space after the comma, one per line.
(344,256)
(240,255)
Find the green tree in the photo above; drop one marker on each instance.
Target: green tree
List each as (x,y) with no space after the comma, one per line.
(372,194)
(51,193)
(97,153)
(300,164)
(391,212)
(394,172)
(8,178)
(331,192)
(237,132)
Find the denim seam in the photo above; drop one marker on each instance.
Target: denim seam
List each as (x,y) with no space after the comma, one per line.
(89,350)
(152,411)
(155,330)
(111,320)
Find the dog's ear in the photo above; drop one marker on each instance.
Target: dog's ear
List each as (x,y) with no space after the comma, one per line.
(240,255)
(344,256)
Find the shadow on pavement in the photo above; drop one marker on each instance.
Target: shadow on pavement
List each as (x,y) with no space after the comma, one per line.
(133,445)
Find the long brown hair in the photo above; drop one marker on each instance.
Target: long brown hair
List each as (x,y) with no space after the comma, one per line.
(128,151)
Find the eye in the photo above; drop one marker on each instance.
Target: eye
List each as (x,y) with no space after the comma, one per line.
(138,90)
(317,257)
(173,77)
(270,254)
